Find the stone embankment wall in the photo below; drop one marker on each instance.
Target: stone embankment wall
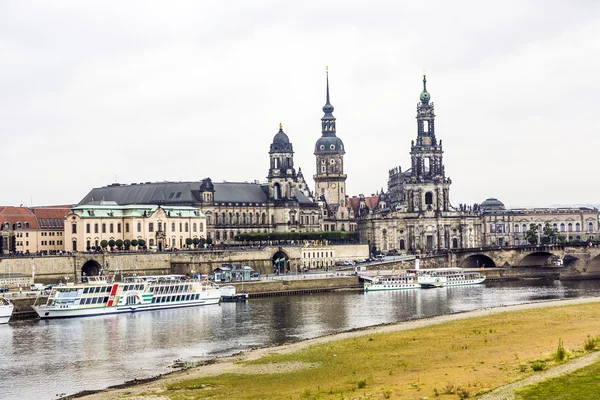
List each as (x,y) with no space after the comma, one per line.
(49,269)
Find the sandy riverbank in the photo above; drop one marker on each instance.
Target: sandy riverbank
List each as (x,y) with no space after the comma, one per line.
(154,389)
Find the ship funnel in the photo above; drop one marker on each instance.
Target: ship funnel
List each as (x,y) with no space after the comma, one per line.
(417,263)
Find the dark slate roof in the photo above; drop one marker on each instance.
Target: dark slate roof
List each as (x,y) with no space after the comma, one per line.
(182,193)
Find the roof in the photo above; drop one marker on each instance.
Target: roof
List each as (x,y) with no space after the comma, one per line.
(371,203)
(51,217)
(113,210)
(182,193)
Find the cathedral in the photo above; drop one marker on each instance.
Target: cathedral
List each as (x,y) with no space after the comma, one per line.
(415,213)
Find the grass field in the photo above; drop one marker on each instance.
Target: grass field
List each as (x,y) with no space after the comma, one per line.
(583,384)
(453,360)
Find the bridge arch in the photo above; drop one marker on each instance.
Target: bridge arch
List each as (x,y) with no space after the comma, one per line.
(280,262)
(90,268)
(537,259)
(477,261)
(594,265)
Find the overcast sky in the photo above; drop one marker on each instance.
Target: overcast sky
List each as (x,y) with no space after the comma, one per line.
(145,91)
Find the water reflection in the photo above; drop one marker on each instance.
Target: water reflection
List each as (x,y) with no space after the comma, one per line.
(43,359)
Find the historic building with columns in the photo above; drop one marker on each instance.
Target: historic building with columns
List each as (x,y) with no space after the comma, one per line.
(416,213)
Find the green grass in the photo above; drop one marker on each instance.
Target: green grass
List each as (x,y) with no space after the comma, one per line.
(583,384)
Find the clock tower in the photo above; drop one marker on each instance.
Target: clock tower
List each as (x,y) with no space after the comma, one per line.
(330,180)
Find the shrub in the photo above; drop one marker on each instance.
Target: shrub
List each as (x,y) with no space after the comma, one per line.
(590,343)
(119,244)
(538,366)
(462,393)
(449,389)
(134,243)
(362,384)
(112,243)
(103,244)
(561,352)
(141,243)
(127,244)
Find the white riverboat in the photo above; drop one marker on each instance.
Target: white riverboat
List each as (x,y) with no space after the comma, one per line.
(143,294)
(440,277)
(6,310)
(392,282)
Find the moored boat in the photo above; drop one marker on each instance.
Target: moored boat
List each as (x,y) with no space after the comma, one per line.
(6,310)
(229,294)
(142,294)
(392,282)
(440,277)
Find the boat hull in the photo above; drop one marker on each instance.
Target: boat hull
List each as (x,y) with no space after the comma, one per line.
(6,310)
(45,312)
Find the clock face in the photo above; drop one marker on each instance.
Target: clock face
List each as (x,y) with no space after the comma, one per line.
(333,185)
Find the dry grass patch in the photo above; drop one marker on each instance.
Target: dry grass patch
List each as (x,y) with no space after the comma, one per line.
(458,359)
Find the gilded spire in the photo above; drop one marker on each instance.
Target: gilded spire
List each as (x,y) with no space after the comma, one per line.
(280,126)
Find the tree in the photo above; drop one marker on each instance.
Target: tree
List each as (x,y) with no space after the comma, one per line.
(142,243)
(112,243)
(103,244)
(188,242)
(202,242)
(209,240)
(127,244)
(549,234)
(134,243)
(119,244)
(196,241)
(532,234)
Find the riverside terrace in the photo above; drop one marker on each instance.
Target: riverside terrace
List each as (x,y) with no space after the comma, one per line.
(51,269)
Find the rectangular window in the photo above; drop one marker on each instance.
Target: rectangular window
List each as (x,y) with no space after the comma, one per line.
(74,228)
(151,227)
(127,227)
(95,228)
(139,227)
(119,228)
(201,227)
(103,228)
(88,228)
(112,227)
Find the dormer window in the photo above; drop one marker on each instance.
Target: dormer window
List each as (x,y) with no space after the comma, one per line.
(322,147)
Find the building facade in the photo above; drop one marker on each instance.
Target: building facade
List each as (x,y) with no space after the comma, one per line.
(32,230)
(161,227)
(504,227)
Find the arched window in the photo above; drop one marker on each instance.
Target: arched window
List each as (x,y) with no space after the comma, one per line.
(562,227)
(402,245)
(577,227)
(6,225)
(524,226)
(428,198)
(228,220)
(454,243)
(256,220)
(555,227)
(570,227)
(194,226)
(26,225)
(590,227)
(243,218)
(187,227)
(276,191)
(19,225)
(264,219)
(516,228)
(236,219)
(88,228)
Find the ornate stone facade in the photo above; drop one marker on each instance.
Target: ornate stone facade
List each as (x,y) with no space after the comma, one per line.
(416,214)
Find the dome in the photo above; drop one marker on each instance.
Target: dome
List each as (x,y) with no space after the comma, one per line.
(281,137)
(329,145)
(425,96)
(492,204)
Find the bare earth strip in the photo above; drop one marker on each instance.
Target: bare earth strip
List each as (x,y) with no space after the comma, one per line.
(155,388)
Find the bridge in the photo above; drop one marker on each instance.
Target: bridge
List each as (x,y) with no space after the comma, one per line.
(582,258)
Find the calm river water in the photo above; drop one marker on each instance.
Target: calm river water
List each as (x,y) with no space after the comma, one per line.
(48,359)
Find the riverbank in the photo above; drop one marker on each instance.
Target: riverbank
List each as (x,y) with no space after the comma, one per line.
(474,351)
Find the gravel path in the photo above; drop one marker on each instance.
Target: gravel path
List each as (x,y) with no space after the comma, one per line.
(507,392)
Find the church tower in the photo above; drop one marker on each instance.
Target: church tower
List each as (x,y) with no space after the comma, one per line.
(427,189)
(282,175)
(330,180)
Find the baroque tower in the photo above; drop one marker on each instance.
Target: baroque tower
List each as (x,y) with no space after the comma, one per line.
(427,189)
(282,175)
(330,180)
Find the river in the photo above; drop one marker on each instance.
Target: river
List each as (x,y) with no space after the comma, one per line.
(49,359)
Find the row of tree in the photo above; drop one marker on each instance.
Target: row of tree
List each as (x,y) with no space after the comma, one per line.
(141,243)
(331,236)
(548,235)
